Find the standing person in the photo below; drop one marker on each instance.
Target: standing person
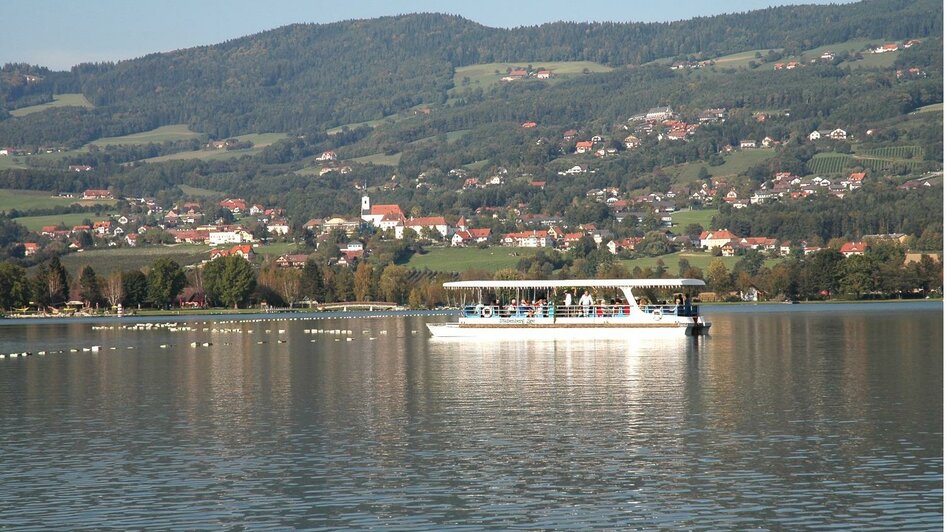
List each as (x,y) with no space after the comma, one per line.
(568,303)
(586,303)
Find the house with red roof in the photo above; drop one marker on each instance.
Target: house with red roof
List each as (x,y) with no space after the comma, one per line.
(471,236)
(584,146)
(236,206)
(375,214)
(855,180)
(629,243)
(296,261)
(243,250)
(853,248)
(102,227)
(886,47)
(714,239)
(97,194)
(570,239)
(528,239)
(759,242)
(30,249)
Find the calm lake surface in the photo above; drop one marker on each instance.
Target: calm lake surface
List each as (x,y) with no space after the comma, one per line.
(787,417)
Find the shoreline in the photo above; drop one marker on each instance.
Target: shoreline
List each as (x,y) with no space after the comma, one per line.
(255,314)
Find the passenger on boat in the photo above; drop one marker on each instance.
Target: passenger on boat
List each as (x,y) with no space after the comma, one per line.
(586,302)
(568,302)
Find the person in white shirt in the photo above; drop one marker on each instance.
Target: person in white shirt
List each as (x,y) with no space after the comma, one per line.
(586,303)
(568,303)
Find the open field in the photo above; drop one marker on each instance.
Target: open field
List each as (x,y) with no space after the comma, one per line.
(874,61)
(476,166)
(741,59)
(206,155)
(261,140)
(484,75)
(461,259)
(853,45)
(105,261)
(35,223)
(704,217)
(932,108)
(161,134)
(199,192)
(59,100)
(36,199)
(736,163)
(701,260)
(450,137)
(7,162)
(392,119)
(379,159)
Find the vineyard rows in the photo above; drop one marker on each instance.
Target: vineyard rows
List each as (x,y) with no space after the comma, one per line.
(895,152)
(836,164)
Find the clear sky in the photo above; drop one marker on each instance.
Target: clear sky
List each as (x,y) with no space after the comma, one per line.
(62,33)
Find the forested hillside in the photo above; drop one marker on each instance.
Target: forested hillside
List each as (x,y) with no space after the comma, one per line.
(303,77)
(392,83)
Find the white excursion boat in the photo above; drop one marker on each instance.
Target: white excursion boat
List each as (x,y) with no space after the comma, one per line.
(543,308)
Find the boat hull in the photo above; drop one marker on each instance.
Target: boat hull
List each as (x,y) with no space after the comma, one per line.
(567,330)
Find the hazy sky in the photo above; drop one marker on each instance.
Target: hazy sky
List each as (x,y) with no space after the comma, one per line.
(62,33)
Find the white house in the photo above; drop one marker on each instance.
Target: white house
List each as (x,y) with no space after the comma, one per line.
(229,236)
(659,113)
(278,227)
(528,239)
(431,223)
(713,239)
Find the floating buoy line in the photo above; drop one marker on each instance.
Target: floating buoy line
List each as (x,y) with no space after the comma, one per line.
(219,327)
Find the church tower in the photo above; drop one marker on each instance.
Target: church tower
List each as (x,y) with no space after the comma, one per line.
(365,205)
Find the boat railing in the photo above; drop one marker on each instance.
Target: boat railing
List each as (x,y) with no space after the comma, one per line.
(574,311)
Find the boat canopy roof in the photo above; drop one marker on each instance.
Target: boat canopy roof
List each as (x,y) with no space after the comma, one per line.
(578,283)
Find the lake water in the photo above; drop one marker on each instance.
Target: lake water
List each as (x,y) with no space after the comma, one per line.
(786,417)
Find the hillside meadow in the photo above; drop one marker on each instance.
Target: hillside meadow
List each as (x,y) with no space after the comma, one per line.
(59,100)
(162,134)
(33,199)
(451,259)
(36,223)
(484,75)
